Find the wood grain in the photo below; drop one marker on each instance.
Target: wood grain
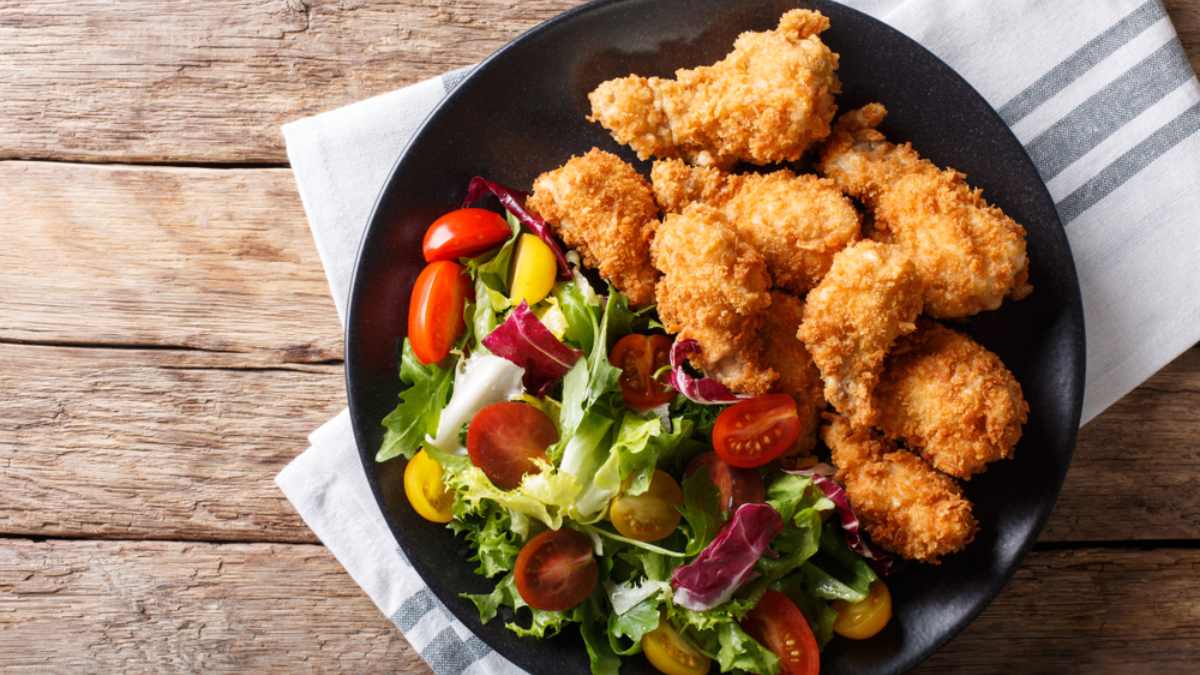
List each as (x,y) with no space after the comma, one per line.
(212,81)
(91,80)
(122,443)
(182,257)
(171,607)
(203,607)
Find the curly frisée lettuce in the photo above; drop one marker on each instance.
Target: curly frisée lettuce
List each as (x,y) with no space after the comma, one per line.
(704,577)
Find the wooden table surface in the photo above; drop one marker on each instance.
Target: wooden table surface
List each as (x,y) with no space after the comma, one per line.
(167,341)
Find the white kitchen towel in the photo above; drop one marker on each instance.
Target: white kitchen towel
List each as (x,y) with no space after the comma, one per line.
(1101,94)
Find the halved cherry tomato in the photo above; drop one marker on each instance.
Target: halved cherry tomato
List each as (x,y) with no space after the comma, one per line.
(424,488)
(435,311)
(735,486)
(755,431)
(779,624)
(503,439)
(865,618)
(534,270)
(651,515)
(639,357)
(670,653)
(556,570)
(464,233)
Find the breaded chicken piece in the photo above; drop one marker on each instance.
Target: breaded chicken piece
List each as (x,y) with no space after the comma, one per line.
(767,101)
(970,254)
(714,289)
(951,399)
(798,376)
(870,297)
(905,506)
(797,222)
(602,207)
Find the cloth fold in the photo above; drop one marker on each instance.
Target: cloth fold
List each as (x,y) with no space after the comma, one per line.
(1101,94)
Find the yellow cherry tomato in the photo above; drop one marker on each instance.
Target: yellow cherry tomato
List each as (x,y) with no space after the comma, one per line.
(534,270)
(670,653)
(424,488)
(651,515)
(865,618)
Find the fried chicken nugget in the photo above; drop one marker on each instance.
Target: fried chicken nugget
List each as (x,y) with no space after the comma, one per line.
(767,101)
(798,376)
(951,399)
(797,222)
(905,506)
(970,254)
(714,289)
(602,207)
(870,297)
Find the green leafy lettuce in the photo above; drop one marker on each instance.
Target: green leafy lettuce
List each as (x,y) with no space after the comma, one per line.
(426,392)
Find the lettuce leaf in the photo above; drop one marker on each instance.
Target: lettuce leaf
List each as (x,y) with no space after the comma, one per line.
(701,511)
(545,496)
(490,534)
(718,634)
(542,623)
(625,630)
(593,627)
(420,407)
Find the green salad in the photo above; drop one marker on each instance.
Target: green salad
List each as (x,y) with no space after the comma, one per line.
(599,482)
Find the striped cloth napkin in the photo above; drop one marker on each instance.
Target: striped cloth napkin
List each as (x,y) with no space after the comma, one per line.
(1102,96)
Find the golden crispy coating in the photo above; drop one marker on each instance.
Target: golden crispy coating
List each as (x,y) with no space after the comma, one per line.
(905,506)
(970,254)
(603,208)
(786,355)
(714,290)
(870,297)
(797,222)
(950,399)
(765,102)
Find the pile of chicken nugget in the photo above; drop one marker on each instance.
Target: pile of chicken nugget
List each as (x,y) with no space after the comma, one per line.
(827,287)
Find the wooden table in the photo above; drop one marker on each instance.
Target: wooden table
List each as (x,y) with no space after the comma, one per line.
(167,341)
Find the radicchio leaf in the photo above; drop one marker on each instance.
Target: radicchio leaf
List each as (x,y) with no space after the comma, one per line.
(514,202)
(526,341)
(728,561)
(702,390)
(821,475)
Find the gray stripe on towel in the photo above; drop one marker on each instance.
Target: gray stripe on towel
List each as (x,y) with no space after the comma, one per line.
(413,609)
(1130,164)
(447,654)
(1111,108)
(1083,60)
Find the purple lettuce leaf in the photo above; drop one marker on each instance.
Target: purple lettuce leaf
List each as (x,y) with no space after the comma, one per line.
(728,561)
(514,202)
(821,475)
(525,340)
(702,390)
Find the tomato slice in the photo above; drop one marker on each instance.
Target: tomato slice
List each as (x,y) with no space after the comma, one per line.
(865,618)
(556,570)
(639,357)
(735,486)
(652,515)
(435,311)
(779,624)
(424,488)
(755,431)
(670,653)
(464,233)
(503,439)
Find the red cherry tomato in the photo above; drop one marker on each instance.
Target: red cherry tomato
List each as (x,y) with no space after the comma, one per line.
(503,439)
(556,570)
(777,623)
(755,431)
(735,486)
(464,233)
(435,311)
(638,357)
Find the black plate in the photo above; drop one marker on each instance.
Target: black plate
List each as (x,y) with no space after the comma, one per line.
(522,112)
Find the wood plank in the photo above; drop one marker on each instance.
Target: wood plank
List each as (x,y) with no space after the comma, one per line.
(176,606)
(170,607)
(90,80)
(201,258)
(126,443)
(153,444)
(213,81)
